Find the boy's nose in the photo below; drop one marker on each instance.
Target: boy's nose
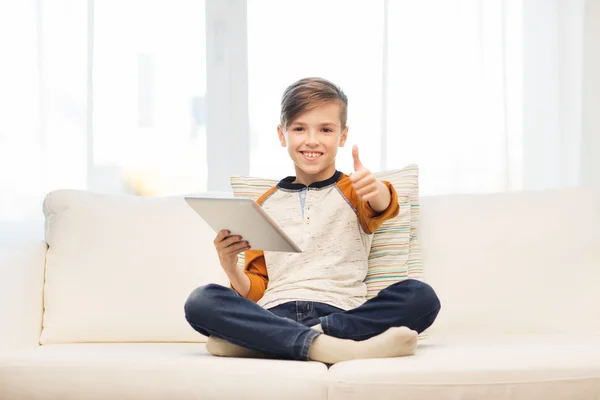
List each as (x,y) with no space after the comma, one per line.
(312,138)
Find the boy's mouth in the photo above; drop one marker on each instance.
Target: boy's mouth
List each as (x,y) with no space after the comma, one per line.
(311,155)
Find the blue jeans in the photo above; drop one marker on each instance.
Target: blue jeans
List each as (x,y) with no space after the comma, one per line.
(284,331)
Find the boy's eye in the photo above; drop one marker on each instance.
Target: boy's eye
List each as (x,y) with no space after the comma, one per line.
(298,129)
(327,130)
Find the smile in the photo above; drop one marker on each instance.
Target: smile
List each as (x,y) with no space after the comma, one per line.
(311,155)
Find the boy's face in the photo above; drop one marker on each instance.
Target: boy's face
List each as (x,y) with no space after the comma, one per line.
(312,140)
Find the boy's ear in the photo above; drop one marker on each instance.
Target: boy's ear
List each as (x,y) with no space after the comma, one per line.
(344,137)
(281,136)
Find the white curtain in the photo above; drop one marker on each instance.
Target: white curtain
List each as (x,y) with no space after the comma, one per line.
(449,70)
(92,100)
(20,123)
(485,95)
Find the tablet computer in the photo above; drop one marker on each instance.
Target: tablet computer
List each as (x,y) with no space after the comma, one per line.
(246,218)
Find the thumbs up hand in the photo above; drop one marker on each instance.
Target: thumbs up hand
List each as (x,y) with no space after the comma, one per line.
(364,182)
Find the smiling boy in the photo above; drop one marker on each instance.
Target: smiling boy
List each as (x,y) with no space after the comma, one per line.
(312,305)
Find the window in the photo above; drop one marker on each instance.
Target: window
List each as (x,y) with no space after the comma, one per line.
(149,79)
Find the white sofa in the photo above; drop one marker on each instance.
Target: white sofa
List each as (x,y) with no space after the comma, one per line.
(518,276)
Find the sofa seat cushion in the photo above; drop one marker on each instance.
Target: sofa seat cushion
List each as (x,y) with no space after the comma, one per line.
(177,371)
(511,367)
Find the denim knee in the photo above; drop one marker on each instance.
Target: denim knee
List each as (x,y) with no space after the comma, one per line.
(425,296)
(425,305)
(202,303)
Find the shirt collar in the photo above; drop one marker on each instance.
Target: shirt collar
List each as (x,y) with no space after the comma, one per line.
(286,183)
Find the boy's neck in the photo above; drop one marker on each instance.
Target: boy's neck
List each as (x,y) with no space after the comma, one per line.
(308,179)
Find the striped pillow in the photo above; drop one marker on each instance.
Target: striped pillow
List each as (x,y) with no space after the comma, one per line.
(395,252)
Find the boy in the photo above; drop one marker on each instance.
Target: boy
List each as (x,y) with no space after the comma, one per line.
(311,305)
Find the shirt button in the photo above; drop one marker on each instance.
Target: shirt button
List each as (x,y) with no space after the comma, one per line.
(308,220)
(303,195)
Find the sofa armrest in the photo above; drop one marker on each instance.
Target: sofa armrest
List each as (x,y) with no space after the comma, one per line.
(21,294)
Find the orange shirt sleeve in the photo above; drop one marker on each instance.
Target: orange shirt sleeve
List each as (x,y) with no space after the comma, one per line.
(369,219)
(255,269)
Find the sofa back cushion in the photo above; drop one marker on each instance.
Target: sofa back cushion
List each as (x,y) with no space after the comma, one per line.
(119,268)
(524,262)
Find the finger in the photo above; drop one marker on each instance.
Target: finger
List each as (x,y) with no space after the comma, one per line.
(365,180)
(372,188)
(357,163)
(228,241)
(367,193)
(238,242)
(222,235)
(237,248)
(358,175)
(368,197)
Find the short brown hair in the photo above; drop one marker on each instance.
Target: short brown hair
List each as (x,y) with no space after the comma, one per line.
(309,93)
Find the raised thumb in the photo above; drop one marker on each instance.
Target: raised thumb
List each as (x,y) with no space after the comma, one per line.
(357,163)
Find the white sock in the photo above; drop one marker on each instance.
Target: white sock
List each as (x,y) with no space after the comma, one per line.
(222,348)
(395,342)
(317,327)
